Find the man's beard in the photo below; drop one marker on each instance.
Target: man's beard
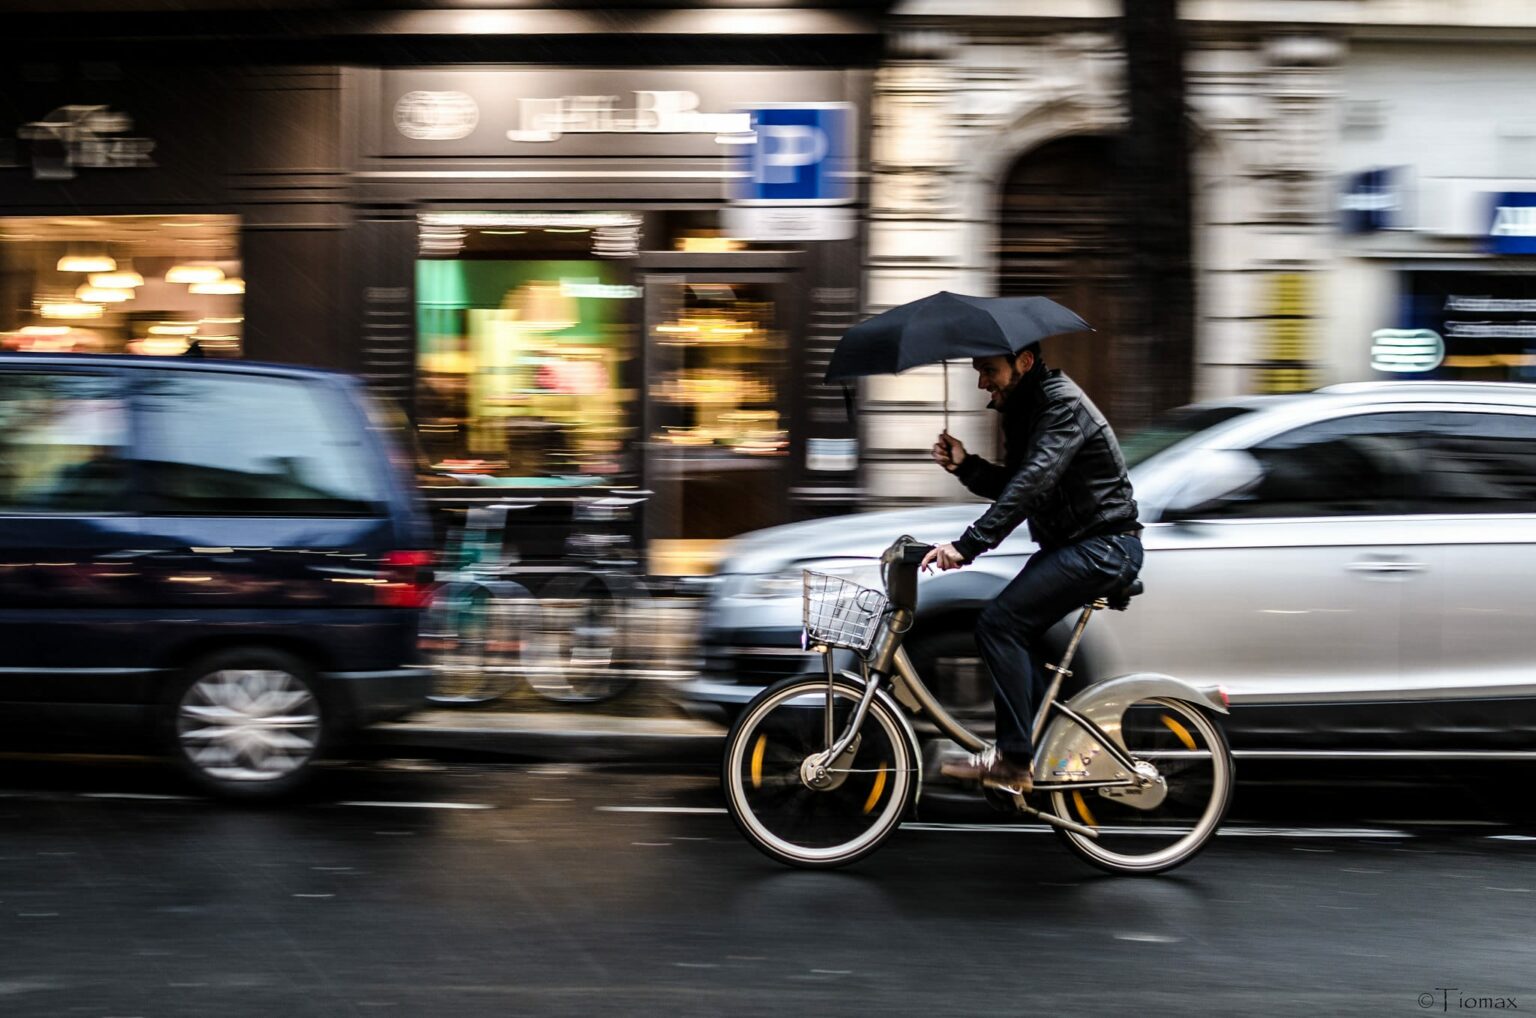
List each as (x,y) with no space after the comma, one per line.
(999,398)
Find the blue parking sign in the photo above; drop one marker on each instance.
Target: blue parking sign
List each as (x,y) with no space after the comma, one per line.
(800,156)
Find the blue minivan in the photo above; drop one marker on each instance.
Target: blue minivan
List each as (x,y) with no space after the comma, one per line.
(227,556)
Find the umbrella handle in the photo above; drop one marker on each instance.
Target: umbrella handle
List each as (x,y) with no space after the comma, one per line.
(946,397)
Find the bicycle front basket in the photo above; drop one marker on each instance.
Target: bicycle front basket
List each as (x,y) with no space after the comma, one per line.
(839,612)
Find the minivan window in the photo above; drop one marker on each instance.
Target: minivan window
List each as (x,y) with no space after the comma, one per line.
(248,445)
(62,443)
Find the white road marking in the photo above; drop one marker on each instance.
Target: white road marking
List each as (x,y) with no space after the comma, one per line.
(1147,938)
(1515,890)
(650,844)
(1511,837)
(661,809)
(536,799)
(416,805)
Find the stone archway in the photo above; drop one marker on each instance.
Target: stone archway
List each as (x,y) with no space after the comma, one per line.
(1059,237)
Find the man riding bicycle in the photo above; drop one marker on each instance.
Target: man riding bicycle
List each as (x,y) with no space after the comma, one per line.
(1064,473)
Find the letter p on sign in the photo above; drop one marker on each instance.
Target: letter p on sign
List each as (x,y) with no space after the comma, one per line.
(801,156)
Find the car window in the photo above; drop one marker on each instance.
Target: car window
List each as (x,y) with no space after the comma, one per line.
(247,444)
(1349,466)
(1474,462)
(63,441)
(1172,428)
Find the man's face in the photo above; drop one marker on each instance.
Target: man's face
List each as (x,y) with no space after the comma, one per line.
(999,375)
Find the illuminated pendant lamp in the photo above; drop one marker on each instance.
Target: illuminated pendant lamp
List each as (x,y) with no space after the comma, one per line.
(226,285)
(87,262)
(120,279)
(194,272)
(103,294)
(69,309)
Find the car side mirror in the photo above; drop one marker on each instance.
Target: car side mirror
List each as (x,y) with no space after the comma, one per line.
(1218,478)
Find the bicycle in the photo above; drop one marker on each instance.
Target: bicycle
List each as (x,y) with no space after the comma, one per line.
(570,641)
(821,769)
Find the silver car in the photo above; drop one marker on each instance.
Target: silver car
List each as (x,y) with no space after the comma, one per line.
(1355,565)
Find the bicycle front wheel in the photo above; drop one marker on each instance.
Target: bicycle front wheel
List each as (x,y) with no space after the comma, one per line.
(1165,826)
(823,823)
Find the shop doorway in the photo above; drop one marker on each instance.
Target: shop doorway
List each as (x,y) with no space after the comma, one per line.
(1059,237)
(718,412)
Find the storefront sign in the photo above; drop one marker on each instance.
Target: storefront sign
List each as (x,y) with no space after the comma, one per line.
(436,116)
(84,137)
(546,120)
(606,112)
(1370,202)
(1401,351)
(1513,230)
(831,454)
(772,223)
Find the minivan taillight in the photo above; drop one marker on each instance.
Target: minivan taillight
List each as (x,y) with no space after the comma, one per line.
(407,580)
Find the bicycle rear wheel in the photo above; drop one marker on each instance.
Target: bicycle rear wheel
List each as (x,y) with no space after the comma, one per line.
(472,635)
(1153,831)
(869,789)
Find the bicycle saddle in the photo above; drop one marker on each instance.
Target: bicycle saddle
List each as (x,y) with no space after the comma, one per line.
(1120,599)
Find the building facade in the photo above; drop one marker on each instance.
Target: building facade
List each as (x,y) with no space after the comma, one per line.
(532,229)
(1349,159)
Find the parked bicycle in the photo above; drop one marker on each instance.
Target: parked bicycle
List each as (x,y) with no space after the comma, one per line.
(562,629)
(820,770)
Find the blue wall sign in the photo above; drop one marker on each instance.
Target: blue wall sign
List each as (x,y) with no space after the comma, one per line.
(1370,202)
(801,156)
(1513,228)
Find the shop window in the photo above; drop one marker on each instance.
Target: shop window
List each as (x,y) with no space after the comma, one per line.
(526,347)
(155,285)
(62,440)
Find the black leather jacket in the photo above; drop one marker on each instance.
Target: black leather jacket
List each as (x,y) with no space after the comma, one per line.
(1063,470)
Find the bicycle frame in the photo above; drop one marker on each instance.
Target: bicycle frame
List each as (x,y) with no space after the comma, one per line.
(886,658)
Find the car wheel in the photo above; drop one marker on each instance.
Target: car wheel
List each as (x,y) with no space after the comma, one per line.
(247,723)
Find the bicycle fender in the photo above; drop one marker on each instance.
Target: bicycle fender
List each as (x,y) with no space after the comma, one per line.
(1068,752)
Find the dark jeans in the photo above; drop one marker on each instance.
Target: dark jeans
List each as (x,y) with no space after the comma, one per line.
(1051,585)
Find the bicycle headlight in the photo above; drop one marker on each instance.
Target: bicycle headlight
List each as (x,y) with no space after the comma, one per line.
(787,583)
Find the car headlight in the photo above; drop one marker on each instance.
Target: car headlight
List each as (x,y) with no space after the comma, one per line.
(788,583)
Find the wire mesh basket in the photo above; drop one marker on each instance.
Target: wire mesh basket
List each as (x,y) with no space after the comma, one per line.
(839,612)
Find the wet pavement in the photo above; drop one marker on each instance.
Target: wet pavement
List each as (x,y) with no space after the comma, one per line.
(422,888)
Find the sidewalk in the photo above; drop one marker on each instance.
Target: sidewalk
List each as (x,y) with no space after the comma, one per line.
(565,736)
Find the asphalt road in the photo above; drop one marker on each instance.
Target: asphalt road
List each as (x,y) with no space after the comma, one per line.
(436,890)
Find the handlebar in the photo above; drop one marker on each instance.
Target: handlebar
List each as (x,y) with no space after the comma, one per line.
(898,565)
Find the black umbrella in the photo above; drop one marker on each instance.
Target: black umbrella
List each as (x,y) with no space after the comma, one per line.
(947,326)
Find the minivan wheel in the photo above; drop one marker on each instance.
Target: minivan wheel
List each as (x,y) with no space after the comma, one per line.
(247,723)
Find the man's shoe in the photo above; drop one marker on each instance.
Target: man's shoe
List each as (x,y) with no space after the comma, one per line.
(992,770)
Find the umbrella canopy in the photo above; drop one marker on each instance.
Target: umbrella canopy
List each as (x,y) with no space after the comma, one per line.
(946,326)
